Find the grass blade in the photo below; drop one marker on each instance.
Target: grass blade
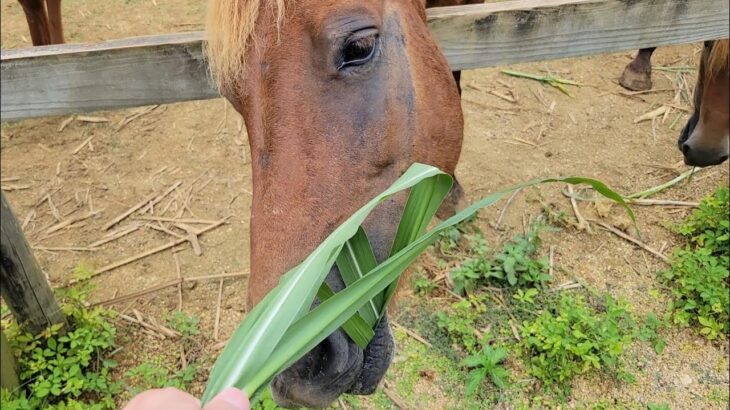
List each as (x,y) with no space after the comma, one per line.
(360,331)
(602,189)
(356,260)
(423,202)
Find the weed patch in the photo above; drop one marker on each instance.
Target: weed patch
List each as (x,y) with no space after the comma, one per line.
(460,323)
(59,367)
(557,335)
(515,265)
(71,368)
(698,276)
(573,338)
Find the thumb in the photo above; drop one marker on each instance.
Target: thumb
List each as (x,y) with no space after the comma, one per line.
(229,399)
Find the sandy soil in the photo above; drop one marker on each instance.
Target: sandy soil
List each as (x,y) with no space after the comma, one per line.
(203,146)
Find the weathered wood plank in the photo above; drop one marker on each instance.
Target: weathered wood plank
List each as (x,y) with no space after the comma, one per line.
(536,30)
(57,80)
(23,285)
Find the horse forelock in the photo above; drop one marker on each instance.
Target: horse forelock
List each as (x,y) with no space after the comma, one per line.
(230,28)
(718,58)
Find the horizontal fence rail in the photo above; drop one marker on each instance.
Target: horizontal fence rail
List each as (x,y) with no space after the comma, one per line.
(63,79)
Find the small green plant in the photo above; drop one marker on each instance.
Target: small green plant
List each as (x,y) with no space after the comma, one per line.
(266,401)
(486,363)
(449,239)
(574,339)
(477,244)
(422,285)
(709,225)
(153,376)
(466,277)
(648,332)
(460,322)
(525,296)
(662,406)
(60,366)
(718,395)
(515,264)
(82,272)
(186,324)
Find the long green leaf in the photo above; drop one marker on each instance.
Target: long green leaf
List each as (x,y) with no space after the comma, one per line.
(355,260)
(360,331)
(602,189)
(424,201)
(249,351)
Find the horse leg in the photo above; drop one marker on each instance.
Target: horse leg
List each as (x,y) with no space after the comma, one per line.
(35,13)
(54,21)
(637,75)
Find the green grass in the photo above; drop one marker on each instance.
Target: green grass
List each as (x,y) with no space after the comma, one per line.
(65,367)
(698,276)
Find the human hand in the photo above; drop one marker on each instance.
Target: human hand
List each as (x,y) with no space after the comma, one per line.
(171,398)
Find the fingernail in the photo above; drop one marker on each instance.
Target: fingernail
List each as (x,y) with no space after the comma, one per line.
(234,397)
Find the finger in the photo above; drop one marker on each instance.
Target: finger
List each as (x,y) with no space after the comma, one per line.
(163,398)
(229,399)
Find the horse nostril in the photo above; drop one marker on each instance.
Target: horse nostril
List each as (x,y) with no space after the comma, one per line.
(723,159)
(685,149)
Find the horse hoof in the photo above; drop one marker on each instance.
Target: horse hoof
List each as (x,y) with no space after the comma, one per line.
(635,81)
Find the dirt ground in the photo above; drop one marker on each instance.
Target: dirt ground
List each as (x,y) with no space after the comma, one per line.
(202,145)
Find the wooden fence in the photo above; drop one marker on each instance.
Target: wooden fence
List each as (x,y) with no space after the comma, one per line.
(56,80)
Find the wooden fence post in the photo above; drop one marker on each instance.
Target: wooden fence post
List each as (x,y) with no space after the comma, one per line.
(23,284)
(8,371)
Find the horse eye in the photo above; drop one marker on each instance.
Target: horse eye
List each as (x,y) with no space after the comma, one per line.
(358,49)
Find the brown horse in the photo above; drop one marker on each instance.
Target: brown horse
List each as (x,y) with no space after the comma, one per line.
(339,97)
(44,21)
(705,140)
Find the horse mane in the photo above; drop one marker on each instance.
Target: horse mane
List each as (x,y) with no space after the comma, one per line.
(718,58)
(229,32)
